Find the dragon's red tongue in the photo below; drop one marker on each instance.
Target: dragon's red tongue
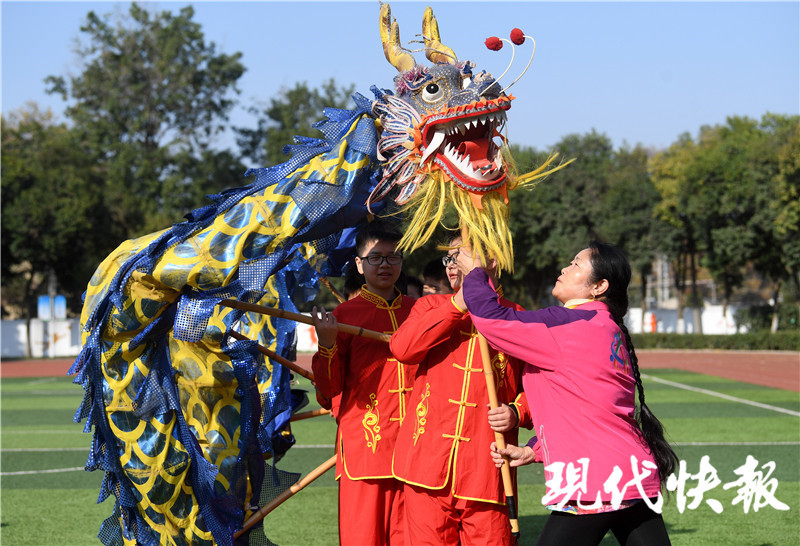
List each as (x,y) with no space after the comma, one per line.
(477,150)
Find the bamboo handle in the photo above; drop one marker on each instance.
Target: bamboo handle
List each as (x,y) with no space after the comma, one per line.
(309,414)
(275,356)
(277,501)
(505,470)
(336,294)
(297,317)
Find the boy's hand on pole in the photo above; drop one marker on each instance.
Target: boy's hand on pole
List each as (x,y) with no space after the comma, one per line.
(326,326)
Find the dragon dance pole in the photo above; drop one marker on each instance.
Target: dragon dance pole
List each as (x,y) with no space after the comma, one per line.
(297,317)
(275,356)
(309,414)
(300,485)
(505,470)
(336,294)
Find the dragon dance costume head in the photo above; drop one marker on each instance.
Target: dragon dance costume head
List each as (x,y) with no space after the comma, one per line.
(442,144)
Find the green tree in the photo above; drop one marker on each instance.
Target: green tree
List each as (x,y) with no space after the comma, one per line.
(150,99)
(555,220)
(292,113)
(787,196)
(51,209)
(774,223)
(672,175)
(731,194)
(629,218)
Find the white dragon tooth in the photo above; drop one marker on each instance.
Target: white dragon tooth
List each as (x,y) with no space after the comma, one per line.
(438,138)
(462,129)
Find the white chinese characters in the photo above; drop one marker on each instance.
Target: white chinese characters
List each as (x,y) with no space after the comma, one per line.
(755,487)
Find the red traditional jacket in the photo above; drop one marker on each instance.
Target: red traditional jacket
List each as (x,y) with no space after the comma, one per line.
(369,384)
(447,431)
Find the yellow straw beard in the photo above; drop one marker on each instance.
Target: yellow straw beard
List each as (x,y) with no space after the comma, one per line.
(485,230)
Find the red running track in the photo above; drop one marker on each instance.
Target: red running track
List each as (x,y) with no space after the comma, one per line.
(777,369)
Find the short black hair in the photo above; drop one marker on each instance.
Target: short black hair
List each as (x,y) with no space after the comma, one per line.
(435,269)
(413,281)
(381,230)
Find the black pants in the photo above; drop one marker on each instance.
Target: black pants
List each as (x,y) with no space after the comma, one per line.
(634,526)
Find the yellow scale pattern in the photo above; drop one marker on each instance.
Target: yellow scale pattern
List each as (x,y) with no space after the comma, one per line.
(152,457)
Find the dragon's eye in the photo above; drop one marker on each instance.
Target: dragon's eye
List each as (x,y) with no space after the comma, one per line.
(432,93)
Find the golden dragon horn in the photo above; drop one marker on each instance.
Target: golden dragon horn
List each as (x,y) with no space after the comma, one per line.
(434,49)
(390,37)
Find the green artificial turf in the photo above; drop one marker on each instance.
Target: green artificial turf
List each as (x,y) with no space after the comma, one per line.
(43,502)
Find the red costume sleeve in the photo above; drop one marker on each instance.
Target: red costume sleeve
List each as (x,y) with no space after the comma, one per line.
(523,411)
(430,322)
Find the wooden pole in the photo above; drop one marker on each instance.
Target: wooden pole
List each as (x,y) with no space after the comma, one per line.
(336,294)
(505,470)
(277,501)
(309,414)
(275,356)
(297,317)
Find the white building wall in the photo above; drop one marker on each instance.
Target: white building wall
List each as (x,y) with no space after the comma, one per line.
(49,339)
(666,320)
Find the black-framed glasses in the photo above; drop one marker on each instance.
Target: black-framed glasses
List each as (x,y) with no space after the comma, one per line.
(377,259)
(451,259)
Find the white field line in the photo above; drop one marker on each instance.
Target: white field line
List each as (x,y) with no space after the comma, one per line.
(42,449)
(86,449)
(327,446)
(734,443)
(50,471)
(720,395)
(330,446)
(65,431)
(42,380)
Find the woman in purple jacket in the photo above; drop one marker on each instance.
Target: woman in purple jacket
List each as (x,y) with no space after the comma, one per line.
(605,463)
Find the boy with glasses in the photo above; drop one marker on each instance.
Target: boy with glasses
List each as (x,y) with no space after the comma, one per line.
(368,390)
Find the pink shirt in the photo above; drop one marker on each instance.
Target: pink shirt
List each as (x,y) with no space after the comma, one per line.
(581,392)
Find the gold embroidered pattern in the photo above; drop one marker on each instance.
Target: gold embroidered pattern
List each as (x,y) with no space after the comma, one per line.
(379,302)
(499,366)
(422,413)
(372,430)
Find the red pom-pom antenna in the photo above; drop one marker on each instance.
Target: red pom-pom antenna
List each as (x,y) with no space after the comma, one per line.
(494,43)
(517,36)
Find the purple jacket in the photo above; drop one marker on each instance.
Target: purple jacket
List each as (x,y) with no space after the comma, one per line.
(581,392)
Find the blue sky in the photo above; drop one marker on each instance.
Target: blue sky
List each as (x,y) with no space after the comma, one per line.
(640,72)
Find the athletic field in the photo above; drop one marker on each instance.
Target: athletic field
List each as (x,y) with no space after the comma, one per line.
(740,442)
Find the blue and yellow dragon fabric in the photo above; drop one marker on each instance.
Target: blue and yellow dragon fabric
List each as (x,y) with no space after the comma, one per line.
(182,414)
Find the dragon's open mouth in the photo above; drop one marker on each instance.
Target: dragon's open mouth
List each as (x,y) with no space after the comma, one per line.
(461,142)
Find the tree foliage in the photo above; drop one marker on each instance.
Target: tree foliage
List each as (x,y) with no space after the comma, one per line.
(151,97)
(52,212)
(292,113)
(728,196)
